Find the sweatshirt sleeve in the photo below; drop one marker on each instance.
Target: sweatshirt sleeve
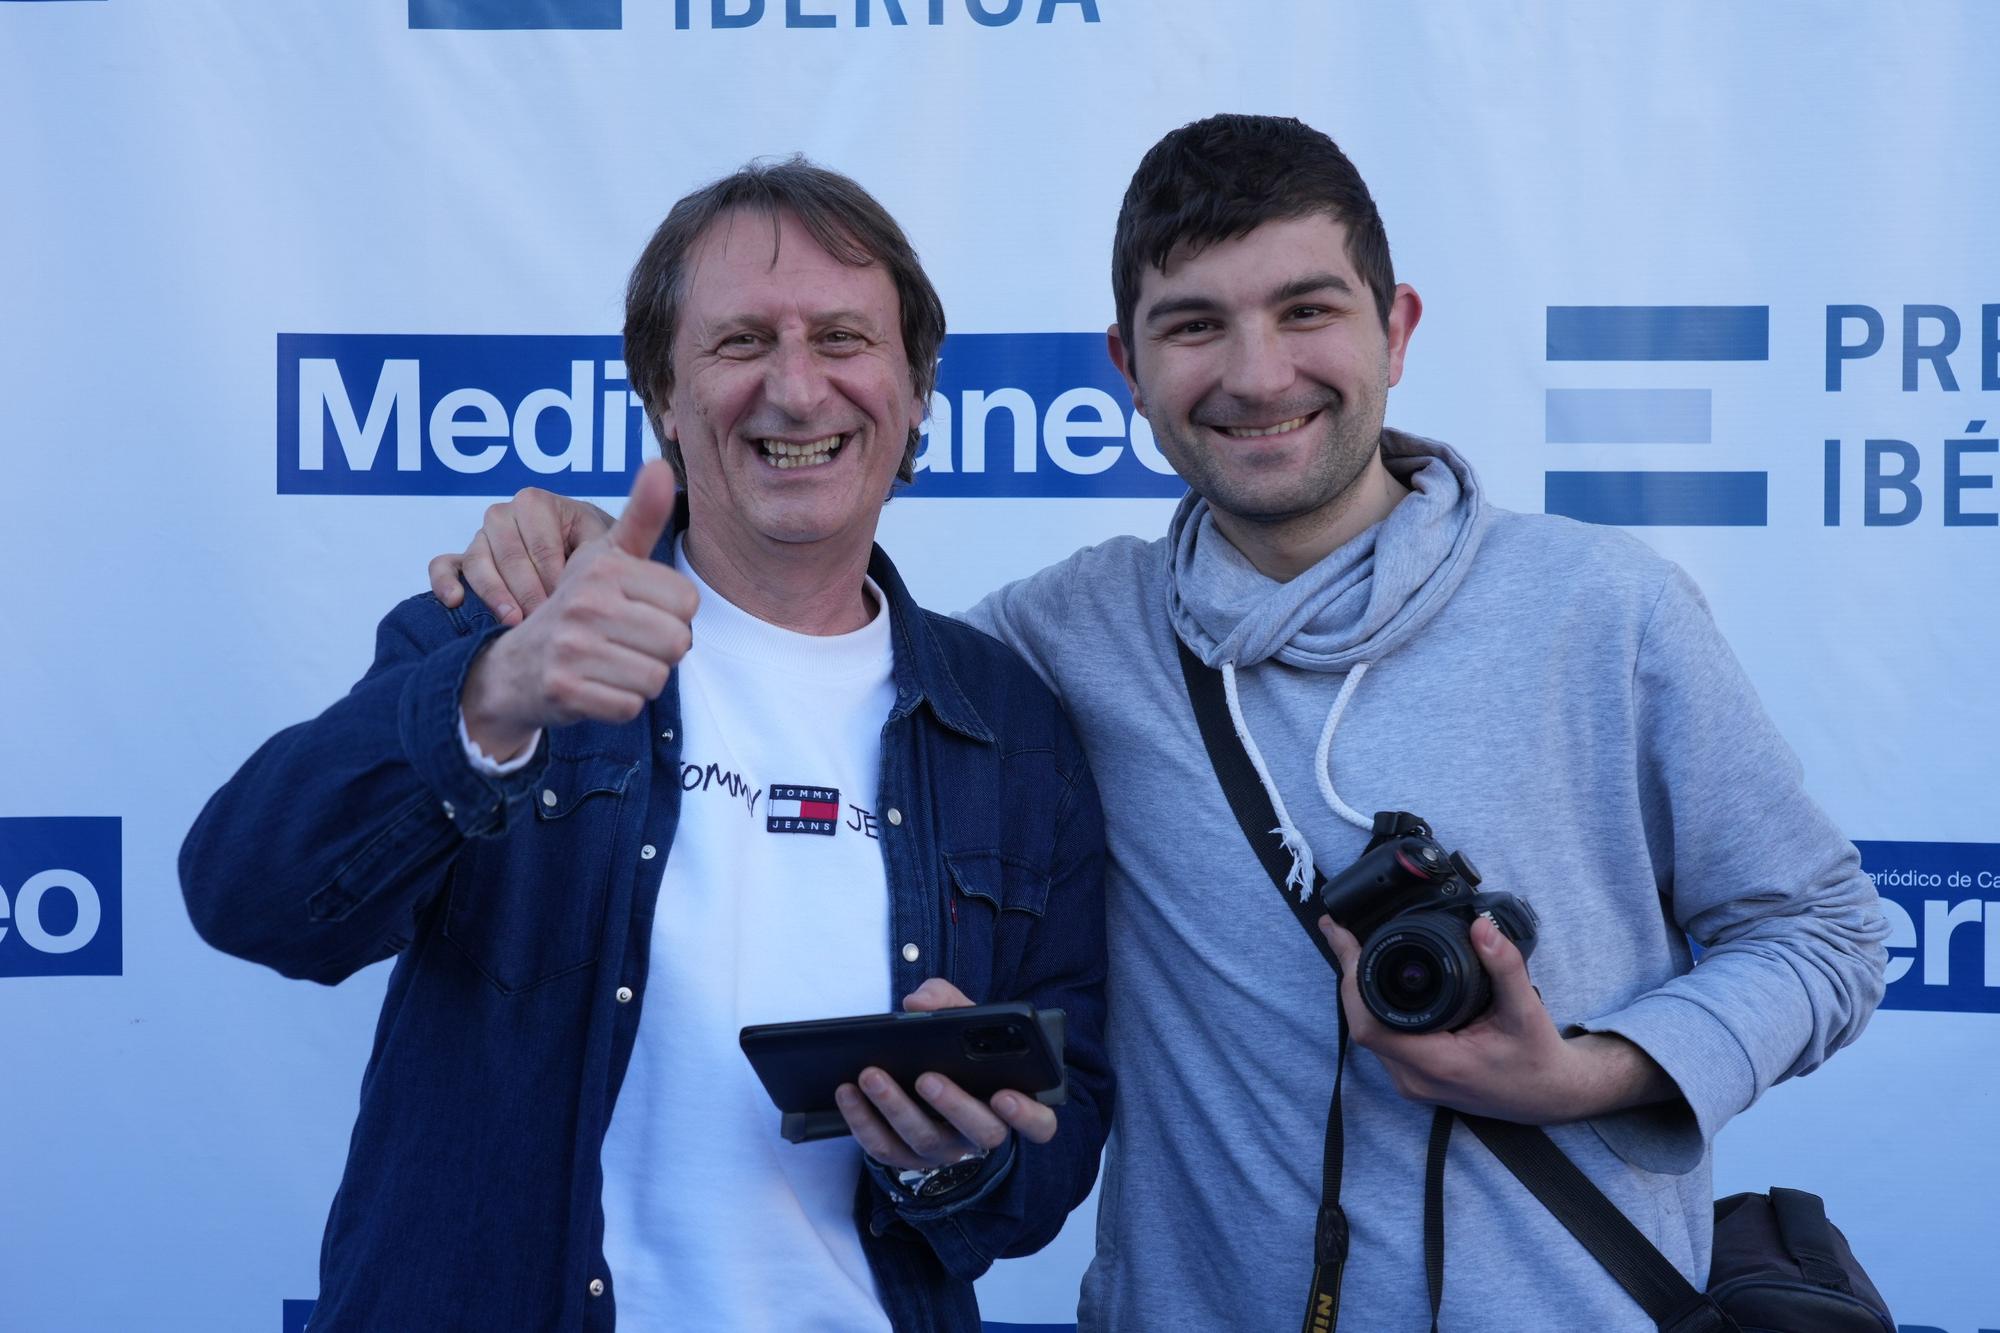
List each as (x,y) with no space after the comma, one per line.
(1787,928)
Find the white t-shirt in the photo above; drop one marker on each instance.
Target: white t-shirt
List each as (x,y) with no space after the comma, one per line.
(773,906)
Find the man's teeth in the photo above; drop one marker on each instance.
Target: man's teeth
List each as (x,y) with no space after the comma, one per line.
(1258,432)
(784,454)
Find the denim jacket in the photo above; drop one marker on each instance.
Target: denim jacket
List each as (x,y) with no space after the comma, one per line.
(520,912)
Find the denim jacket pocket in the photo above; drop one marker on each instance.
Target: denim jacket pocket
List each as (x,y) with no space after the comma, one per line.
(529,906)
(996,904)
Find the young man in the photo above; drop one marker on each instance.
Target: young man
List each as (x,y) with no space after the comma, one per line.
(1553,698)
(598,851)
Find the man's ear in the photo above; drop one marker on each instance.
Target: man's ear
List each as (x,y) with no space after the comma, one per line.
(1405,309)
(663,422)
(1121,357)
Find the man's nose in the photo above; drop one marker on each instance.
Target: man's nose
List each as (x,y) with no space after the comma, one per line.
(1259,366)
(795,382)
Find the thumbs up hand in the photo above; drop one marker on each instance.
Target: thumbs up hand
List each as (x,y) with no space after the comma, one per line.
(647,511)
(604,643)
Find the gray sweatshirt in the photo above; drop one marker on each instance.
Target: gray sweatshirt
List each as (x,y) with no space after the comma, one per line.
(1556,700)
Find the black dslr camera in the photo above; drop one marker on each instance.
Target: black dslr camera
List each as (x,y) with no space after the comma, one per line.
(1412,905)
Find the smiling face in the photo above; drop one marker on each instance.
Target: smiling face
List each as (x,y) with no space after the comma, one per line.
(1264,368)
(792,399)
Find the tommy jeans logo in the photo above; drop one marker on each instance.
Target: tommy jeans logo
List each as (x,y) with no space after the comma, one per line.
(802,809)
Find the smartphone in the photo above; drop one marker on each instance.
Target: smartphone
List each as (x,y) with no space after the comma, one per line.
(984,1049)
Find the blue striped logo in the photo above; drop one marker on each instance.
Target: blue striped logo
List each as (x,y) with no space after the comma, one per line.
(1659,333)
(493,15)
(1650,416)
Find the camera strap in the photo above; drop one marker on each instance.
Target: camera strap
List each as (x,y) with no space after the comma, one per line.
(1668,1298)
(1251,805)
(1634,1262)
(1248,800)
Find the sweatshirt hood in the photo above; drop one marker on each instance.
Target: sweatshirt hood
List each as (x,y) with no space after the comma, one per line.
(1356,604)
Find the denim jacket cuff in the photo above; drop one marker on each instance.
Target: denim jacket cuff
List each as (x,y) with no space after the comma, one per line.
(907,1206)
(480,805)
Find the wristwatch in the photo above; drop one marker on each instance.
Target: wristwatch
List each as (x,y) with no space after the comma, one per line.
(942,1180)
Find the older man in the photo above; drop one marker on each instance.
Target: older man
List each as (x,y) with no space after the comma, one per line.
(572,834)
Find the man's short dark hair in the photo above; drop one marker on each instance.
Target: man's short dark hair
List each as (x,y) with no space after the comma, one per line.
(1217,179)
(843,218)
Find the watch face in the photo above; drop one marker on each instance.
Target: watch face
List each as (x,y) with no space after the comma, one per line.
(948,1178)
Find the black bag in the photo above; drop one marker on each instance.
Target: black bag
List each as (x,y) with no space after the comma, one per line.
(1780,1266)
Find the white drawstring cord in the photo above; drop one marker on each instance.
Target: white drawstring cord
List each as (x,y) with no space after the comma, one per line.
(1301,878)
(1324,769)
(1294,842)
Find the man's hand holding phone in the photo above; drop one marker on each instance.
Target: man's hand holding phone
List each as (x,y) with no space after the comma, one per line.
(943,1122)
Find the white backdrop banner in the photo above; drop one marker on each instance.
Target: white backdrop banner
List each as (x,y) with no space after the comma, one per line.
(288,290)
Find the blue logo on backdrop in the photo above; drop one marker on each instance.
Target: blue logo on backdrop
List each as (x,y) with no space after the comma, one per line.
(1030,414)
(428,414)
(489,15)
(61,898)
(1943,904)
(1894,483)
(727,15)
(1884,483)
(1036,414)
(724,14)
(1651,416)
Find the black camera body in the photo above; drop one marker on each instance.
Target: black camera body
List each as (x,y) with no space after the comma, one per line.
(1412,904)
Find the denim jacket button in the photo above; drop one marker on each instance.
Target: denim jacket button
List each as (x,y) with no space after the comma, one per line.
(624,994)
(910,953)
(895,816)
(548,796)
(597,1286)
(647,852)
(450,811)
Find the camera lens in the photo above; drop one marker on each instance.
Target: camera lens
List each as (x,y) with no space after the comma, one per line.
(1420,974)
(1409,978)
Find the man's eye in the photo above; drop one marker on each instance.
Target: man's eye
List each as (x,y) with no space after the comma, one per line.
(1194,328)
(1308,311)
(840,338)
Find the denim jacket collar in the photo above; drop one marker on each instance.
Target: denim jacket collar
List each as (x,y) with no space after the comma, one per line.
(923,674)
